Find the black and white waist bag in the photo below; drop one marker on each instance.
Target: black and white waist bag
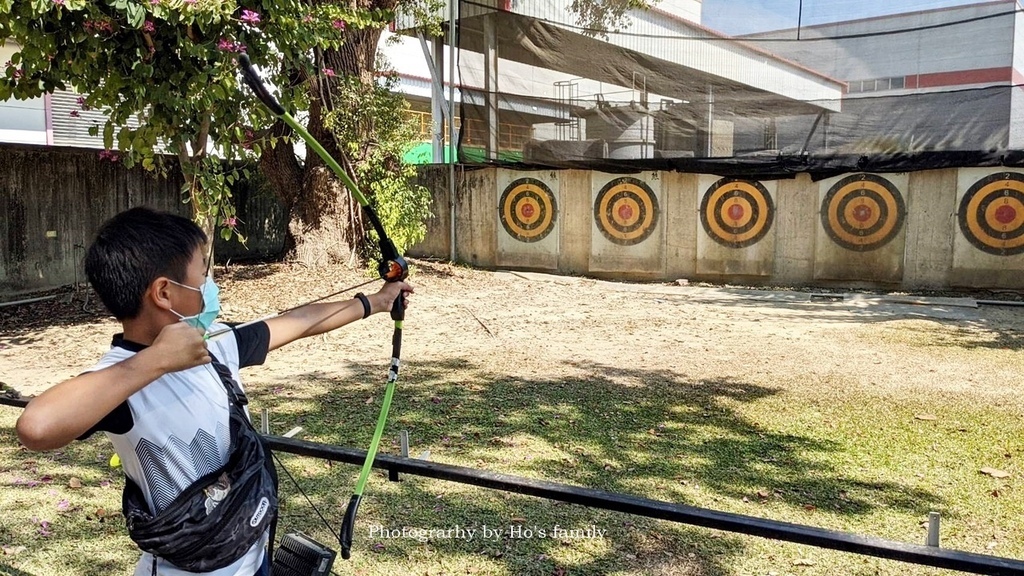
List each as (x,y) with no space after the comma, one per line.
(219,517)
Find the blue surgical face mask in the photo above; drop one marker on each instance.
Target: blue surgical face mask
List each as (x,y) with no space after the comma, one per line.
(211,305)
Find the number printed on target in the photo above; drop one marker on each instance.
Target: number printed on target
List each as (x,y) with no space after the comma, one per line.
(626,211)
(527,210)
(991,214)
(737,213)
(863,212)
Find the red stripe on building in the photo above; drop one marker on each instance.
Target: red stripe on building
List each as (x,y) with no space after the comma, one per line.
(961,77)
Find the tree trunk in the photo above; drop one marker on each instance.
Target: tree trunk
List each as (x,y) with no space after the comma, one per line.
(325,223)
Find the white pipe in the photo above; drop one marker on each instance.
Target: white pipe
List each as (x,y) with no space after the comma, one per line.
(27,301)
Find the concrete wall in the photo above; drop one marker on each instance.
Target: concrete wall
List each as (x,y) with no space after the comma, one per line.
(53,200)
(929,250)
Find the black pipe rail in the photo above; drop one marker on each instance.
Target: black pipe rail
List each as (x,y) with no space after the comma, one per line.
(738,523)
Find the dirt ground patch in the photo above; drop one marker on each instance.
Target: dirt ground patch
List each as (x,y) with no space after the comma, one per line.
(527,324)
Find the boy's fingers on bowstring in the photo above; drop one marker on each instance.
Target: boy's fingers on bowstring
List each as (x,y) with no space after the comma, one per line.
(181,347)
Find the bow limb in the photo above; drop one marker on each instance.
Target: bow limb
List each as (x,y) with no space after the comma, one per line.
(392,268)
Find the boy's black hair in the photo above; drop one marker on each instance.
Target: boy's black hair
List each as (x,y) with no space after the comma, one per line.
(135,248)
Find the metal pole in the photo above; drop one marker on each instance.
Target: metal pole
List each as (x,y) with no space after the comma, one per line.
(438,109)
(452,19)
(933,529)
(799,18)
(491,84)
(711,120)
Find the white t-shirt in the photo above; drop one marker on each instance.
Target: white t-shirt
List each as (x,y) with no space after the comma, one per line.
(176,430)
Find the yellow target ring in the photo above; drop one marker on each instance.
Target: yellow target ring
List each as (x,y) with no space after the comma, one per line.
(626,211)
(992,214)
(527,210)
(737,213)
(863,212)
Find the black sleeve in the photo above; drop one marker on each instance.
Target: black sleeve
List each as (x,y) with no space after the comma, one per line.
(119,421)
(253,344)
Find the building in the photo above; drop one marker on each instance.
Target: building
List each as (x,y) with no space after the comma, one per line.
(664,87)
(936,80)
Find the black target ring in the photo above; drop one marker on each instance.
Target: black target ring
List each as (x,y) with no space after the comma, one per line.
(991,214)
(626,211)
(737,213)
(863,212)
(527,210)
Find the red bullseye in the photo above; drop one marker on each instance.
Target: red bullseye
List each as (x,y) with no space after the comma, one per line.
(625,212)
(736,212)
(527,210)
(1006,214)
(862,213)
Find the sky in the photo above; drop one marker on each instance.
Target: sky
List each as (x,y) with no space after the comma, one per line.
(746,16)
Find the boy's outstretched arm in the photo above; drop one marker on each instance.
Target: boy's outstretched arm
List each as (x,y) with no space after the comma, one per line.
(66,411)
(316,319)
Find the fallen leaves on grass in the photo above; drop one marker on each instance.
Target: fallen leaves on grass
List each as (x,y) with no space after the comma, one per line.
(994,472)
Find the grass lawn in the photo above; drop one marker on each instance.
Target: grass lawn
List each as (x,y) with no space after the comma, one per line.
(810,441)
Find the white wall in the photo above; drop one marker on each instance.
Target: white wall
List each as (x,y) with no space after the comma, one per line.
(21,121)
(688,9)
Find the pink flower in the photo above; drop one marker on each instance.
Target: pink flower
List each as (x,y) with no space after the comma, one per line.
(231,222)
(226,45)
(154,2)
(59,2)
(339,24)
(329,72)
(149,27)
(75,114)
(250,17)
(109,155)
(18,73)
(191,2)
(307,19)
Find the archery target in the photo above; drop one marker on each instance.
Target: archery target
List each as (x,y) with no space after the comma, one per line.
(528,210)
(863,212)
(737,213)
(626,222)
(626,211)
(991,214)
(528,206)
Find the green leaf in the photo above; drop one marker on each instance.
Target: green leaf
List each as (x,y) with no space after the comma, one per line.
(108,135)
(136,15)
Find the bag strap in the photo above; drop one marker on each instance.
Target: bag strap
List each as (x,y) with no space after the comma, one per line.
(238,398)
(235,394)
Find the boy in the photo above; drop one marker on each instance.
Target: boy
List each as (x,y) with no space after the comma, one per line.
(161,394)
